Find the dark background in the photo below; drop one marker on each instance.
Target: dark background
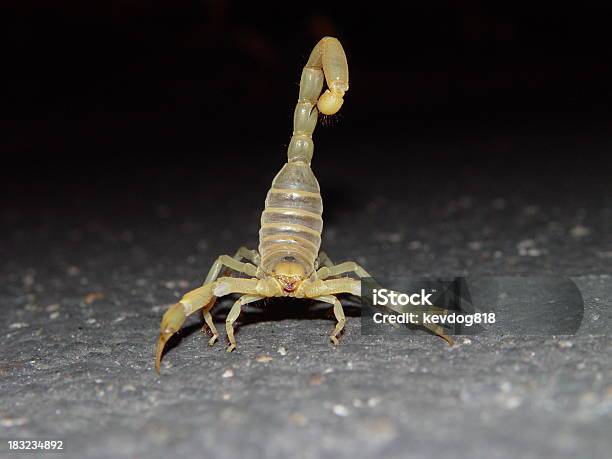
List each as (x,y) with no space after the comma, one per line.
(101,96)
(464,122)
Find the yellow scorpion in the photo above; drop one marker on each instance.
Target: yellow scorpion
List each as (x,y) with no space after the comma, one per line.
(288,262)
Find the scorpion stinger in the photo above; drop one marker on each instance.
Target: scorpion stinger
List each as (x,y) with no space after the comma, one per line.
(288,262)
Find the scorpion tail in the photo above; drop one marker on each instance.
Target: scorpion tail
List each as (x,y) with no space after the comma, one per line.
(327,62)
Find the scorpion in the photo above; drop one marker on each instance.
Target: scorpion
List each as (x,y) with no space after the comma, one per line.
(288,262)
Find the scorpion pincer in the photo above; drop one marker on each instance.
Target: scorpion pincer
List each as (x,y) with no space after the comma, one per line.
(288,262)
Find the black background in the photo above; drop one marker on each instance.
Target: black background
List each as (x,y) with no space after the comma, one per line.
(107,101)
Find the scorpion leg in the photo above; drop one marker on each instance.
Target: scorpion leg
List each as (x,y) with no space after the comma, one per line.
(324,260)
(247,254)
(335,270)
(211,324)
(232,263)
(215,271)
(175,316)
(233,315)
(338,312)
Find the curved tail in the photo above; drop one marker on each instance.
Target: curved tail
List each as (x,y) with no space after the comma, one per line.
(327,61)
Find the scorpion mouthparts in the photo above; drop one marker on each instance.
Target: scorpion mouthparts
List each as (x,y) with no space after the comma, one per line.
(289,287)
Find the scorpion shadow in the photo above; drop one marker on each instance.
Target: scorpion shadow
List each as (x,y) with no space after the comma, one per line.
(267,310)
(277,309)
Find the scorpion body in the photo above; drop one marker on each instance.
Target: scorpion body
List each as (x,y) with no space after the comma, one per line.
(288,262)
(291,223)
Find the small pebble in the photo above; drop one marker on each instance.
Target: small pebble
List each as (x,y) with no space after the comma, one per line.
(341,410)
(228,373)
(506,387)
(565,344)
(534,252)
(52,307)
(54,315)
(13,422)
(17,325)
(475,245)
(263,358)
(513,403)
(282,351)
(580,231)
(93,296)
(28,280)
(414,245)
(298,419)
(527,247)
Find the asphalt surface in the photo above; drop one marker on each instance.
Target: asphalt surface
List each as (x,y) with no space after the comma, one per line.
(87,275)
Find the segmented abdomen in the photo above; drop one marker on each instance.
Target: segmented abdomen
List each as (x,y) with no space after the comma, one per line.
(291,222)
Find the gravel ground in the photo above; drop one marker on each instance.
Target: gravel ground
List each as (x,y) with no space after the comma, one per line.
(86,280)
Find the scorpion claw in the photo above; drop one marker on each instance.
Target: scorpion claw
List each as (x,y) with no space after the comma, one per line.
(213,338)
(171,322)
(448,339)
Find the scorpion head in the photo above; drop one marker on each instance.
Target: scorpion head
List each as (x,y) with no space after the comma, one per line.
(289,273)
